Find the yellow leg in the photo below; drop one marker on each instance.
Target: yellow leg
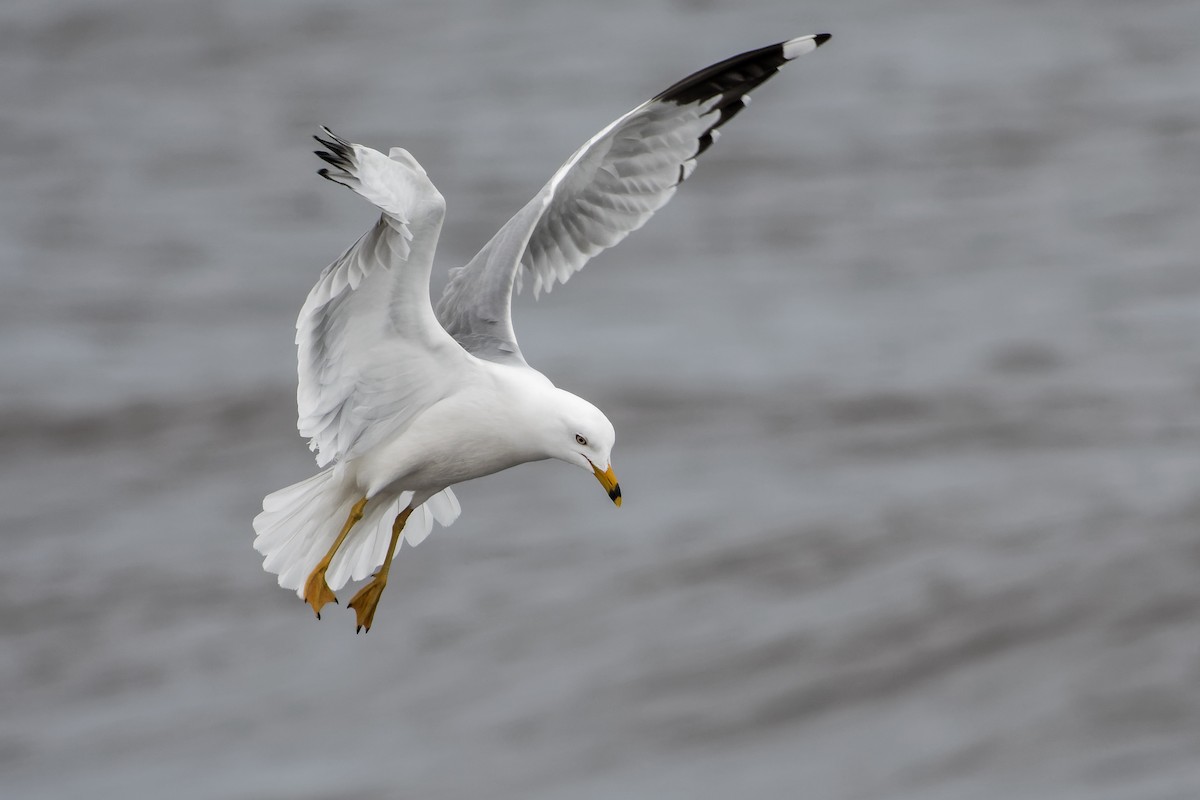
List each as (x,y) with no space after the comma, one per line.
(367,599)
(316,591)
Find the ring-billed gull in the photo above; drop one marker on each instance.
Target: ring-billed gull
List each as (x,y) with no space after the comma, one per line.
(400,401)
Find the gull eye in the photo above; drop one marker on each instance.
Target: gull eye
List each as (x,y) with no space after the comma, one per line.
(579,437)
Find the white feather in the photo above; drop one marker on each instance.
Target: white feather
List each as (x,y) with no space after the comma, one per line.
(303,521)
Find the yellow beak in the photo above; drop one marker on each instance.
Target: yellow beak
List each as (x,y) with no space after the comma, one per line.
(608,479)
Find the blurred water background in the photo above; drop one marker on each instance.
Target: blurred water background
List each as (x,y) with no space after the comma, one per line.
(906,382)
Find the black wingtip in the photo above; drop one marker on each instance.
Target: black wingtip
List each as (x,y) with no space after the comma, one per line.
(821,38)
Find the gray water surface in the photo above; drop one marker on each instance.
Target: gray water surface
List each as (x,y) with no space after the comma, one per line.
(906,385)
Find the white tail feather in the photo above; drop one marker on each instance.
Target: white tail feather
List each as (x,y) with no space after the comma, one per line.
(299,524)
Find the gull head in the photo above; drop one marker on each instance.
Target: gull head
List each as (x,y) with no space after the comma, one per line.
(579,433)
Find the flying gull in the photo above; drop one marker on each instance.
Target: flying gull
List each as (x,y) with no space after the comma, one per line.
(401,400)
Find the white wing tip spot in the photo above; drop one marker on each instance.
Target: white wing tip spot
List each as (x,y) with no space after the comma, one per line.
(803,44)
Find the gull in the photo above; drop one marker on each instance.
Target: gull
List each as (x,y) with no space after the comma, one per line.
(401,401)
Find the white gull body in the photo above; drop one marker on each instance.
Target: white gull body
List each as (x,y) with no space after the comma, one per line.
(401,402)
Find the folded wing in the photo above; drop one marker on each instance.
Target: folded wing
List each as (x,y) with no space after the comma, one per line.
(609,188)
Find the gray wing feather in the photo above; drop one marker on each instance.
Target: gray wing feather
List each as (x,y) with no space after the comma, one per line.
(474,307)
(609,188)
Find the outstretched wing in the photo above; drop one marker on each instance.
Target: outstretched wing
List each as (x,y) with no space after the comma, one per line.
(604,192)
(371,352)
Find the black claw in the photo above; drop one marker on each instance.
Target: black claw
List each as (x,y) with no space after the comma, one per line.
(335,602)
(318,615)
(358,630)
